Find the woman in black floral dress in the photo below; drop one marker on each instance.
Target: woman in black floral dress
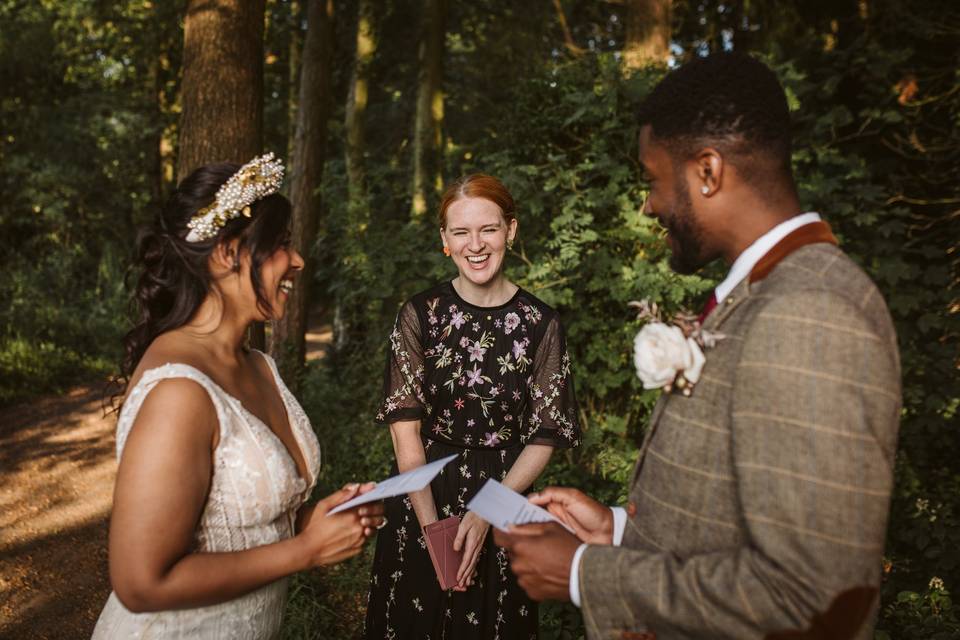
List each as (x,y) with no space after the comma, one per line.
(477,367)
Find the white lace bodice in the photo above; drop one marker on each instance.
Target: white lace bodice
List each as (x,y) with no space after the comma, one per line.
(255,491)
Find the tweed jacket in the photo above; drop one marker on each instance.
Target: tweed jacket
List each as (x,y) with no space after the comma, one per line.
(759,504)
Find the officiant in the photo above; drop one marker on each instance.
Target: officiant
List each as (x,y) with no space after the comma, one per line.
(478,368)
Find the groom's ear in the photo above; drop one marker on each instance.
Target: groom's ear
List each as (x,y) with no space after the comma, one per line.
(709,168)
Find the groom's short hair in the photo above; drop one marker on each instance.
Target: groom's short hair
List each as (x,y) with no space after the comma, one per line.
(727,100)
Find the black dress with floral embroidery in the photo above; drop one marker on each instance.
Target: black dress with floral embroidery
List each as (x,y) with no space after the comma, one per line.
(484,382)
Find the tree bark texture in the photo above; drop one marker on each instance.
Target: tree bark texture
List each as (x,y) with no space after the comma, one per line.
(427,133)
(648,33)
(366,47)
(288,345)
(296,48)
(222,118)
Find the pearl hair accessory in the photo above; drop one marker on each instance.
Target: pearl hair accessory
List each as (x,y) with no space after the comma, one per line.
(257,179)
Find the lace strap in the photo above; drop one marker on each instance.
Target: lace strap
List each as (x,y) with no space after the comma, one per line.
(149,380)
(273,369)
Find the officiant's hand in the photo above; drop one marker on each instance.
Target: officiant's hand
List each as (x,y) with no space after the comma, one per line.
(470,536)
(590,520)
(540,556)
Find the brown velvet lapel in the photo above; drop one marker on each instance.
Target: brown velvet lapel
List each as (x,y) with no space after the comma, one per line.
(813,233)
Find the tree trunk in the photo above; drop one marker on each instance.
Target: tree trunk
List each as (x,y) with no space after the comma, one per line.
(568,41)
(357,104)
(222,119)
(429,117)
(296,46)
(648,33)
(288,345)
(222,88)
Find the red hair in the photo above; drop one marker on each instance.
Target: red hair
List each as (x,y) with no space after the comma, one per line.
(478,185)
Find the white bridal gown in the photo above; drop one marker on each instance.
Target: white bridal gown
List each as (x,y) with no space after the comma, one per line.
(255,492)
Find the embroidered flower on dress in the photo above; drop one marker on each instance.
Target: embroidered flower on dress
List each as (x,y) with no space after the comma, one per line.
(520,348)
(491,439)
(476,352)
(474,377)
(510,322)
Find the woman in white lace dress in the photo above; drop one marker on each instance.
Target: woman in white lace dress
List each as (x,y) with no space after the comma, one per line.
(216,455)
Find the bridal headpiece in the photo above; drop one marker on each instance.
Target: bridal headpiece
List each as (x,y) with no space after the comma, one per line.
(257,179)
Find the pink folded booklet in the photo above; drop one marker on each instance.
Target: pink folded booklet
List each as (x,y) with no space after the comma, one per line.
(440,536)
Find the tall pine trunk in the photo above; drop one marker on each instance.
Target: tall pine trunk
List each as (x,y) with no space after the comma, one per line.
(358,206)
(366,47)
(295,49)
(222,89)
(222,118)
(288,343)
(427,130)
(648,33)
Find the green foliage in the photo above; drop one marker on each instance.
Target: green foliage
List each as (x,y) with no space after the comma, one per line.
(928,614)
(88,106)
(78,170)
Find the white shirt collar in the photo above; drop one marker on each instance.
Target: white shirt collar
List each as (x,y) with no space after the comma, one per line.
(745,262)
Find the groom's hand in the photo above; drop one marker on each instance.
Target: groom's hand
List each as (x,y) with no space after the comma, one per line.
(540,556)
(590,520)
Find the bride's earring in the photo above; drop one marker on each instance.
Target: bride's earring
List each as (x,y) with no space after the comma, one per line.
(446,251)
(704,189)
(510,244)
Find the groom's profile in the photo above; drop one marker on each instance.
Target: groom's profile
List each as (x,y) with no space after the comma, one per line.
(758,504)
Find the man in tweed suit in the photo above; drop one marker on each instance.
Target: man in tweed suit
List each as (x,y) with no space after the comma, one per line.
(759,503)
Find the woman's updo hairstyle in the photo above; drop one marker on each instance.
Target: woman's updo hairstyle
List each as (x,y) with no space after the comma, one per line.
(478,185)
(175,275)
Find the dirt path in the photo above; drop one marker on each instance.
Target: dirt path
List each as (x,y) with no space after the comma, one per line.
(56,483)
(57,466)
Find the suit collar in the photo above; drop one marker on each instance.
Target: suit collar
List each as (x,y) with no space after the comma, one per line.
(749,257)
(815,233)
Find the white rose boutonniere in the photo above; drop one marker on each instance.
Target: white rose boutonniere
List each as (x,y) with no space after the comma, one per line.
(669,356)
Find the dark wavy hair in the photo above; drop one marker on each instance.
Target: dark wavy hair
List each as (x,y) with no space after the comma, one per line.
(174,275)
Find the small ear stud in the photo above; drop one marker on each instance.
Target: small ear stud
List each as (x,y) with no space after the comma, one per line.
(704,189)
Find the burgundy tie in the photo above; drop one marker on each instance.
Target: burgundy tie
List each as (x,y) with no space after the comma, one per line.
(707,308)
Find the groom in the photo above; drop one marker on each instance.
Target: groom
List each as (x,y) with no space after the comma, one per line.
(759,503)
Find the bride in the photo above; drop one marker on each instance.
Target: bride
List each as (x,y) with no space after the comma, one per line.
(216,457)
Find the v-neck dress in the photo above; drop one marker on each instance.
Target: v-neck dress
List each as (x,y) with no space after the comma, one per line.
(255,492)
(484,382)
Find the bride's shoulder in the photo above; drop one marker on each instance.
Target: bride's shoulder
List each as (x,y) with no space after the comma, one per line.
(168,359)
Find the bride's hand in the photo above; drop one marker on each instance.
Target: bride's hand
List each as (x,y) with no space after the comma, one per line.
(329,539)
(470,536)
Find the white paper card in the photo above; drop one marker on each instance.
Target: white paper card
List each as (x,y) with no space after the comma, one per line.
(406,482)
(502,506)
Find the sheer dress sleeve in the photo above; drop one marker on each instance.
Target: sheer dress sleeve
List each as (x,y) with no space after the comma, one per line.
(403,397)
(552,407)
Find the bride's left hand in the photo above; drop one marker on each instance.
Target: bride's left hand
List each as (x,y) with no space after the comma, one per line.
(470,536)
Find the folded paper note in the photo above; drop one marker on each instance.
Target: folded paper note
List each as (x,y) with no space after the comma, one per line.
(406,482)
(502,507)
(440,536)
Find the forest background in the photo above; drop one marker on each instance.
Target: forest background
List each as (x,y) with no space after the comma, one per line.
(376,104)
